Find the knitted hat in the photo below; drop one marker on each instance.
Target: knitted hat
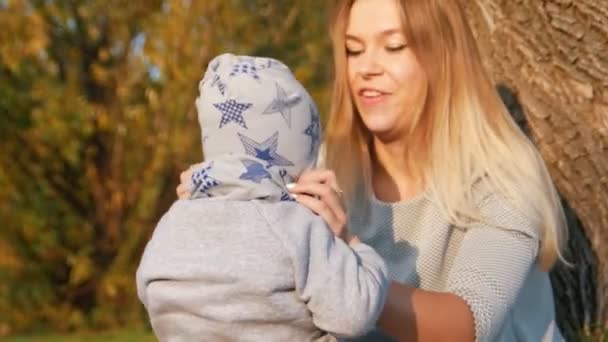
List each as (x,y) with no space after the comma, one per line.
(253,107)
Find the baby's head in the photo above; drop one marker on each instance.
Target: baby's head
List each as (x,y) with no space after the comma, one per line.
(254,106)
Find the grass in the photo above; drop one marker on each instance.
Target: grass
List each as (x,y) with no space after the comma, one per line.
(113,336)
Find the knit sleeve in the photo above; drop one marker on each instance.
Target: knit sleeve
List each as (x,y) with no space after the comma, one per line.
(492,264)
(344,288)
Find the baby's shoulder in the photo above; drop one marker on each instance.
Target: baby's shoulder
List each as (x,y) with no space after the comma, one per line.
(284,212)
(210,211)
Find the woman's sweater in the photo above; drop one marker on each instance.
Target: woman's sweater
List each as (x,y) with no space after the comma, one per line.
(492,268)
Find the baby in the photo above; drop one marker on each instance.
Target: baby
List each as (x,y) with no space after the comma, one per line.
(240,260)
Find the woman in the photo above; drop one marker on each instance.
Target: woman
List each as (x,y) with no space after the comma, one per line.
(437,177)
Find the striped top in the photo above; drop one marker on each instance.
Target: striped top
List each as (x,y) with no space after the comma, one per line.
(493,269)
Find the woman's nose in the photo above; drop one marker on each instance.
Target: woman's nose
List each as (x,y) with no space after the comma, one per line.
(370,64)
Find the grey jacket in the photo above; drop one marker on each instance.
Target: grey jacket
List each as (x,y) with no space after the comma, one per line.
(222,270)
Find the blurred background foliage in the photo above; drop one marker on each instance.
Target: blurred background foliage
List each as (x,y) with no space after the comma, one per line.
(96,122)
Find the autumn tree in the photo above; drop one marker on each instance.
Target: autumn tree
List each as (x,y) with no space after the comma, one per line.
(97,121)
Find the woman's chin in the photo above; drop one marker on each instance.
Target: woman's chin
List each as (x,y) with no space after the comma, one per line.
(380,127)
(387,132)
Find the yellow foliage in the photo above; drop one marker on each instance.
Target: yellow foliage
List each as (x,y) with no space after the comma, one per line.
(99,73)
(82,269)
(22,36)
(102,119)
(8,257)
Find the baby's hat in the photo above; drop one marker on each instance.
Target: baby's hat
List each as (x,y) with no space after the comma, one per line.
(255,107)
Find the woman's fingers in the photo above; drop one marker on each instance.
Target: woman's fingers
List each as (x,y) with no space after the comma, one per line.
(324,211)
(318,190)
(185,178)
(319,176)
(324,192)
(325,177)
(182,191)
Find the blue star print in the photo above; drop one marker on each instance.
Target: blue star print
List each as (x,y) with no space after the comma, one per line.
(203,182)
(245,66)
(286,197)
(232,111)
(266,150)
(215,65)
(217,82)
(285,176)
(313,130)
(256,172)
(267,63)
(283,104)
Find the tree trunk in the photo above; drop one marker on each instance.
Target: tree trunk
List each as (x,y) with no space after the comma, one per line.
(554,55)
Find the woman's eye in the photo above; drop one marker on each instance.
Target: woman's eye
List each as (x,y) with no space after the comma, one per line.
(353,52)
(395,48)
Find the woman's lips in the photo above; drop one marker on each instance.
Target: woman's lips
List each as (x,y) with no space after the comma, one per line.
(369,96)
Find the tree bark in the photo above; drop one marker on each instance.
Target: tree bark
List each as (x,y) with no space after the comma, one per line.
(554,55)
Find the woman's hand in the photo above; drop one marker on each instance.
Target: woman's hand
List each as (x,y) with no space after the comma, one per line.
(185,178)
(318,190)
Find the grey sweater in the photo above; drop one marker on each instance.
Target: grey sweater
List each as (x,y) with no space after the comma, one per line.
(492,266)
(220,270)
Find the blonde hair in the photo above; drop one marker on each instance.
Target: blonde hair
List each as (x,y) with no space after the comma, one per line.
(463,135)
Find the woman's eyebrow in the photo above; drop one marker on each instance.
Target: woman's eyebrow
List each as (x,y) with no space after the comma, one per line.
(383,33)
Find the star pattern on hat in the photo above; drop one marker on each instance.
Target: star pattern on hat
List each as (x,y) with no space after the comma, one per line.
(232,111)
(245,66)
(266,150)
(203,182)
(283,104)
(285,176)
(268,63)
(313,130)
(217,82)
(286,197)
(256,172)
(215,65)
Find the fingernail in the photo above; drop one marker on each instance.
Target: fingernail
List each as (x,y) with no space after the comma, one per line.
(294,196)
(290,186)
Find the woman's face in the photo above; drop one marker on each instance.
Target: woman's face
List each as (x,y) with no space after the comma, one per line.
(386,81)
